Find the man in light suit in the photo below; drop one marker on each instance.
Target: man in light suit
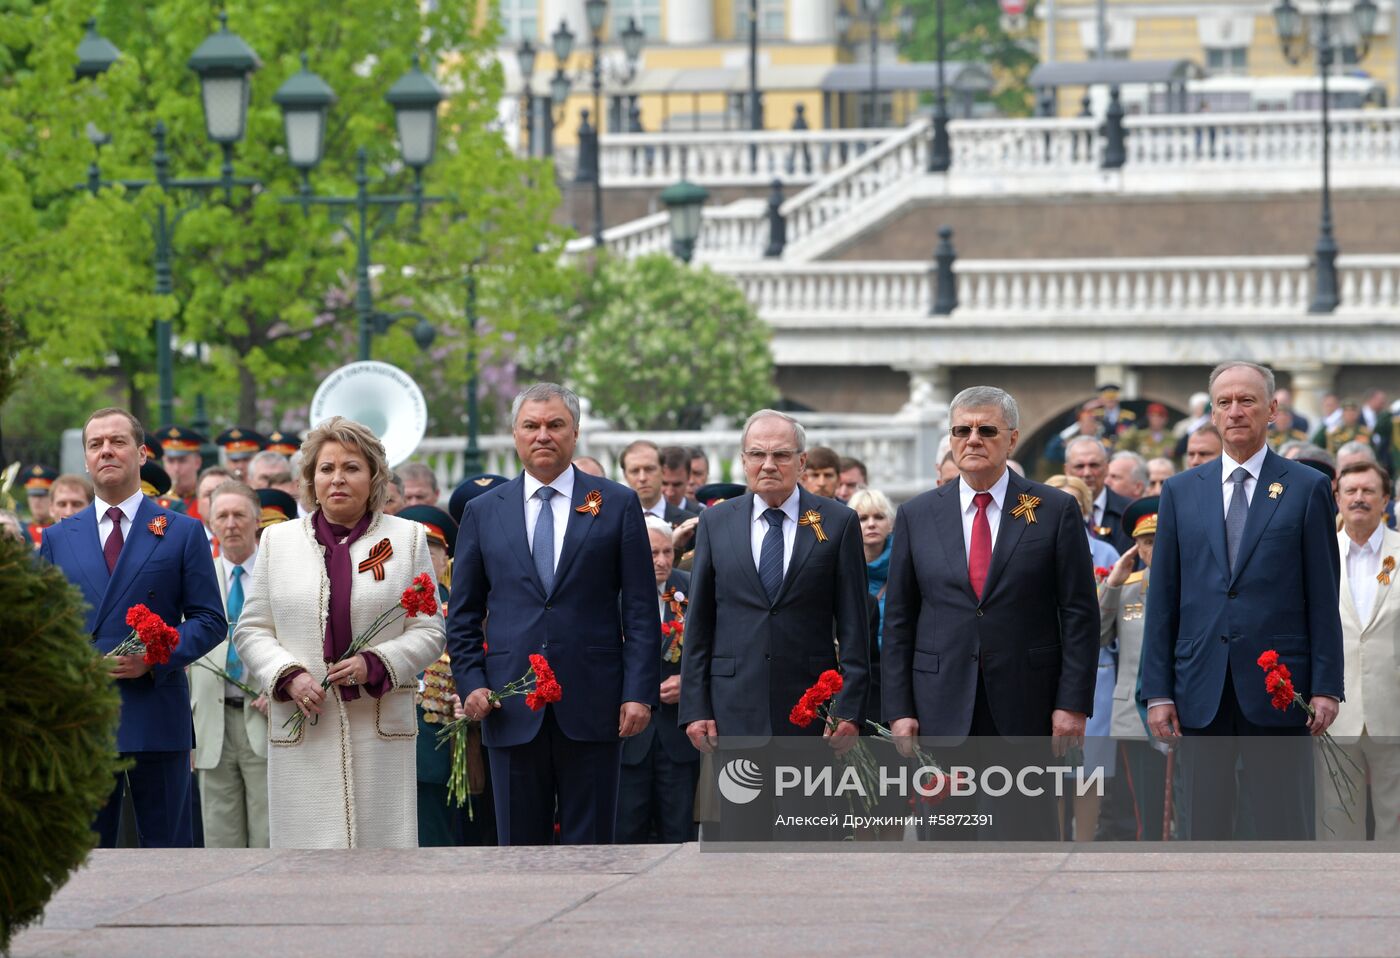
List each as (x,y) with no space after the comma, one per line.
(659,767)
(122,551)
(777,596)
(230,726)
(991,616)
(559,563)
(1245,561)
(1369,727)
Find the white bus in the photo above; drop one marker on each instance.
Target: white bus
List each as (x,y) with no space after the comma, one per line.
(1231,94)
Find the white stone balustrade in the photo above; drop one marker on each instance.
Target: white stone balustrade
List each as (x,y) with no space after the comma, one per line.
(851,294)
(1166,154)
(730,159)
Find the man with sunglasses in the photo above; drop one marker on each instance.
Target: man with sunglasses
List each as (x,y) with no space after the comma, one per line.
(991,616)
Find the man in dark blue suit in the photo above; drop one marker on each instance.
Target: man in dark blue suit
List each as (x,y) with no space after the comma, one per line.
(660,768)
(991,617)
(555,562)
(123,551)
(1245,560)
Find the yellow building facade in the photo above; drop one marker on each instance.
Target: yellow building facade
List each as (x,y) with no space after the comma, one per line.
(1224,38)
(693,72)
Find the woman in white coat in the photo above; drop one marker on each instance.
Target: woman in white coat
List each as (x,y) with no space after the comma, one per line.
(346,777)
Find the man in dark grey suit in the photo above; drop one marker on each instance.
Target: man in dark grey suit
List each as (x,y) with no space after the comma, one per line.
(777,597)
(991,617)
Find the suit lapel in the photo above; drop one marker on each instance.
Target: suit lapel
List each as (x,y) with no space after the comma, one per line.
(1213,509)
(947,518)
(580,524)
(510,510)
(140,543)
(1009,532)
(740,542)
(87,549)
(1390,545)
(803,542)
(1261,510)
(1348,607)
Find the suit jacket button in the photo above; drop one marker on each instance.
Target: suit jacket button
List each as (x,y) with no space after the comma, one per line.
(1224,638)
(772,611)
(979,613)
(767,657)
(1232,593)
(547,607)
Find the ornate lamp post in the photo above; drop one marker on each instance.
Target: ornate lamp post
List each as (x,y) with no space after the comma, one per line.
(686,202)
(525,54)
(305,99)
(1295,41)
(225,65)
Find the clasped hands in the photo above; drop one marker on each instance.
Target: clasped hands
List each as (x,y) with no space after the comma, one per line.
(631,718)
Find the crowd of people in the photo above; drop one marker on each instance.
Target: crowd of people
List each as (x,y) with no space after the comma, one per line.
(1119,605)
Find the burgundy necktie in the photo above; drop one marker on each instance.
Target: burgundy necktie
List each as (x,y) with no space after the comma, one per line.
(112,549)
(979,557)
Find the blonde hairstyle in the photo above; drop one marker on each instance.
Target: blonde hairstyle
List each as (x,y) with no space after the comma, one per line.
(73,481)
(872,499)
(351,435)
(1076,487)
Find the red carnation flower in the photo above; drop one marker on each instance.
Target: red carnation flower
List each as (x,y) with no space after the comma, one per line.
(1268,660)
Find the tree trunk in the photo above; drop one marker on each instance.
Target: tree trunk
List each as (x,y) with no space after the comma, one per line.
(247,397)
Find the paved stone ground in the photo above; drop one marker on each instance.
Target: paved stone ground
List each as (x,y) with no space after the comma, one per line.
(676,901)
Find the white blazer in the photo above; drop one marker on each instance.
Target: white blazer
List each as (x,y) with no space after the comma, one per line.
(207,699)
(1371,678)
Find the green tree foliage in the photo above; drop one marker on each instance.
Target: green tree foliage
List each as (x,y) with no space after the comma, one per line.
(973,32)
(256,314)
(58,722)
(658,345)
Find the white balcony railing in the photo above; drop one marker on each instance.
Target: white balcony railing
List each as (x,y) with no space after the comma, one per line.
(1170,152)
(851,294)
(730,159)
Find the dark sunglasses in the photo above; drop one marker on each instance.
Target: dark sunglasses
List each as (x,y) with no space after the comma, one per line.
(986,432)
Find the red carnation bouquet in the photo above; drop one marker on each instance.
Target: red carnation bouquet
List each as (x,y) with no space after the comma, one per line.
(1278,682)
(815,703)
(150,637)
(540,688)
(420,598)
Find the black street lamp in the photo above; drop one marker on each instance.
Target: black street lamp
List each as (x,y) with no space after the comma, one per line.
(525,54)
(940,154)
(471,461)
(872,11)
(686,203)
(755,103)
(1293,38)
(225,65)
(305,99)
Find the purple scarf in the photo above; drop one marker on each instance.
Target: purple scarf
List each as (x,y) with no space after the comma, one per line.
(339,568)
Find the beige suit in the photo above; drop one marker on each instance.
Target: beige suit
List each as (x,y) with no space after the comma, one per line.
(1368,722)
(350,780)
(229,756)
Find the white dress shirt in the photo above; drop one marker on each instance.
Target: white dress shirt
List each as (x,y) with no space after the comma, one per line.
(969,508)
(230,690)
(128,508)
(562,504)
(1100,504)
(658,509)
(1363,565)
(1227,467)
(758,527)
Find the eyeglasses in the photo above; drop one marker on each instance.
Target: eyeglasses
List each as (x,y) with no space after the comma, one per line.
(780,457)
(986,432)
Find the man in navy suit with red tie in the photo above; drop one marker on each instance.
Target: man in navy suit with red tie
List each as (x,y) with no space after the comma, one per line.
(555,562)
(122,551)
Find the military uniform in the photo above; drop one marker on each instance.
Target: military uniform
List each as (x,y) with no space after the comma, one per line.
(240,445)
(172,442)
(1122,618)
(1117,421)
(37,482)
(1148,444)
(1335,437)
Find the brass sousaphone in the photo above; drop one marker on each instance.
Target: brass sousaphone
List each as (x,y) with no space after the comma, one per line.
(381,397)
